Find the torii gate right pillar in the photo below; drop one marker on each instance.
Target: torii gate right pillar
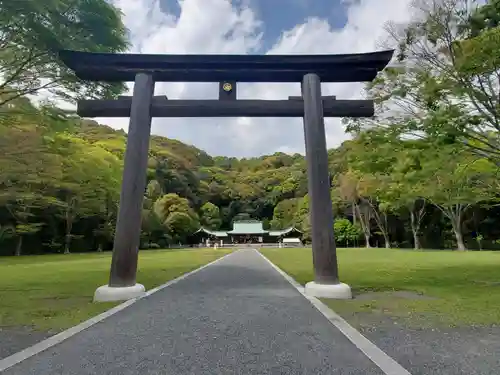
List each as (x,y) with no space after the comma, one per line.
(326,283)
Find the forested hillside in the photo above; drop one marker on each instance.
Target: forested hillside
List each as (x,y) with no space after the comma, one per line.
(422,173)
(61,178)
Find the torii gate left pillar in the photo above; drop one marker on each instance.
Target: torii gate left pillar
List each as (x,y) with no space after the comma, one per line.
(122,279)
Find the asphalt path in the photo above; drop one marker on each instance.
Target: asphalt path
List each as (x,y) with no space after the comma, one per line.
(236,316)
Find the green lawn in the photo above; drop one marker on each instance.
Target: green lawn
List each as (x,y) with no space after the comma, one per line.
(463,288)
(55,291)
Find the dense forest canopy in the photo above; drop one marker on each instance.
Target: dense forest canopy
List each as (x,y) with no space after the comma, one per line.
(422,173)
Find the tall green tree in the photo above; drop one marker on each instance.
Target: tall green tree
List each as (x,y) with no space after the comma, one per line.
(366,184)
(346,233)
(302,218)
(90,176)
(446,80)
(400,160)
(405,194)
(31,34)
(105,230)
(210,216)
(457,181)
(152,228)
(29,175)
(177,216)
(347,190)
(284,214)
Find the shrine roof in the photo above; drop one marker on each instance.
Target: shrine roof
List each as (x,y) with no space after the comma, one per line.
(215,233)
(247,227)
(114,67)
(283,231)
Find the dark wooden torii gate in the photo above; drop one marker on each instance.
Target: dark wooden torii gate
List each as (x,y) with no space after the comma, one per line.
(145,70)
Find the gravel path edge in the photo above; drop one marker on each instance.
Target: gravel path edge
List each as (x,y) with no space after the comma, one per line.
(381,359)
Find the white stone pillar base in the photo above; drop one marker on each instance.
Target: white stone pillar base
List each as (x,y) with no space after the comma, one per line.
(107,293)
(334,291)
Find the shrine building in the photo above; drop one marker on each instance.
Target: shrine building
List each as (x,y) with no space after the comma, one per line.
(248,232)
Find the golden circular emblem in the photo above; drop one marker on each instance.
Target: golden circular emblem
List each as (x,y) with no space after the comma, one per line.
(227,87)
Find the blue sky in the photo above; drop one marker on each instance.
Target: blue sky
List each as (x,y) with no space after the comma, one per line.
(280,15)
(248,27)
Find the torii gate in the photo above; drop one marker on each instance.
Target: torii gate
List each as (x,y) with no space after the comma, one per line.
(145,70)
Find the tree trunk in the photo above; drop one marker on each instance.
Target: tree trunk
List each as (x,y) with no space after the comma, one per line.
(365,225)
(455,214)
(67,243)
(416,240)
(479,245)
(367,240)
(19,246)
(460,239)
(386,240)
(415,226)
(381,220)
(69,227)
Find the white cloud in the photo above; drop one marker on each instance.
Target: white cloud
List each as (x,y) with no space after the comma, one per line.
(216,26)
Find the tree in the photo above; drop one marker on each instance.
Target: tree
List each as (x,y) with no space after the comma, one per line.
(152,228)
(302,218)
(346,233)
(210,216)
(31,34)
(180,225)
(29,173)
(387,176)
(105,230)
(372,192)
(284,214)
(21,211)
(446,82)
(365,184)
(457,181)
(402,195)
(405,192)
(6,231)
(348,191)
(176,215)
(90,176)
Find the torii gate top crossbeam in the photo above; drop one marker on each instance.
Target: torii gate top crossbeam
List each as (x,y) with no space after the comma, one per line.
(215,68)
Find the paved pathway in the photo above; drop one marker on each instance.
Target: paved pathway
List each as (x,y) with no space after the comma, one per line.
(237,316)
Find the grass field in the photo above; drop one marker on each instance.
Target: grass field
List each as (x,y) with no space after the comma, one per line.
(456,288)
(55,291)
